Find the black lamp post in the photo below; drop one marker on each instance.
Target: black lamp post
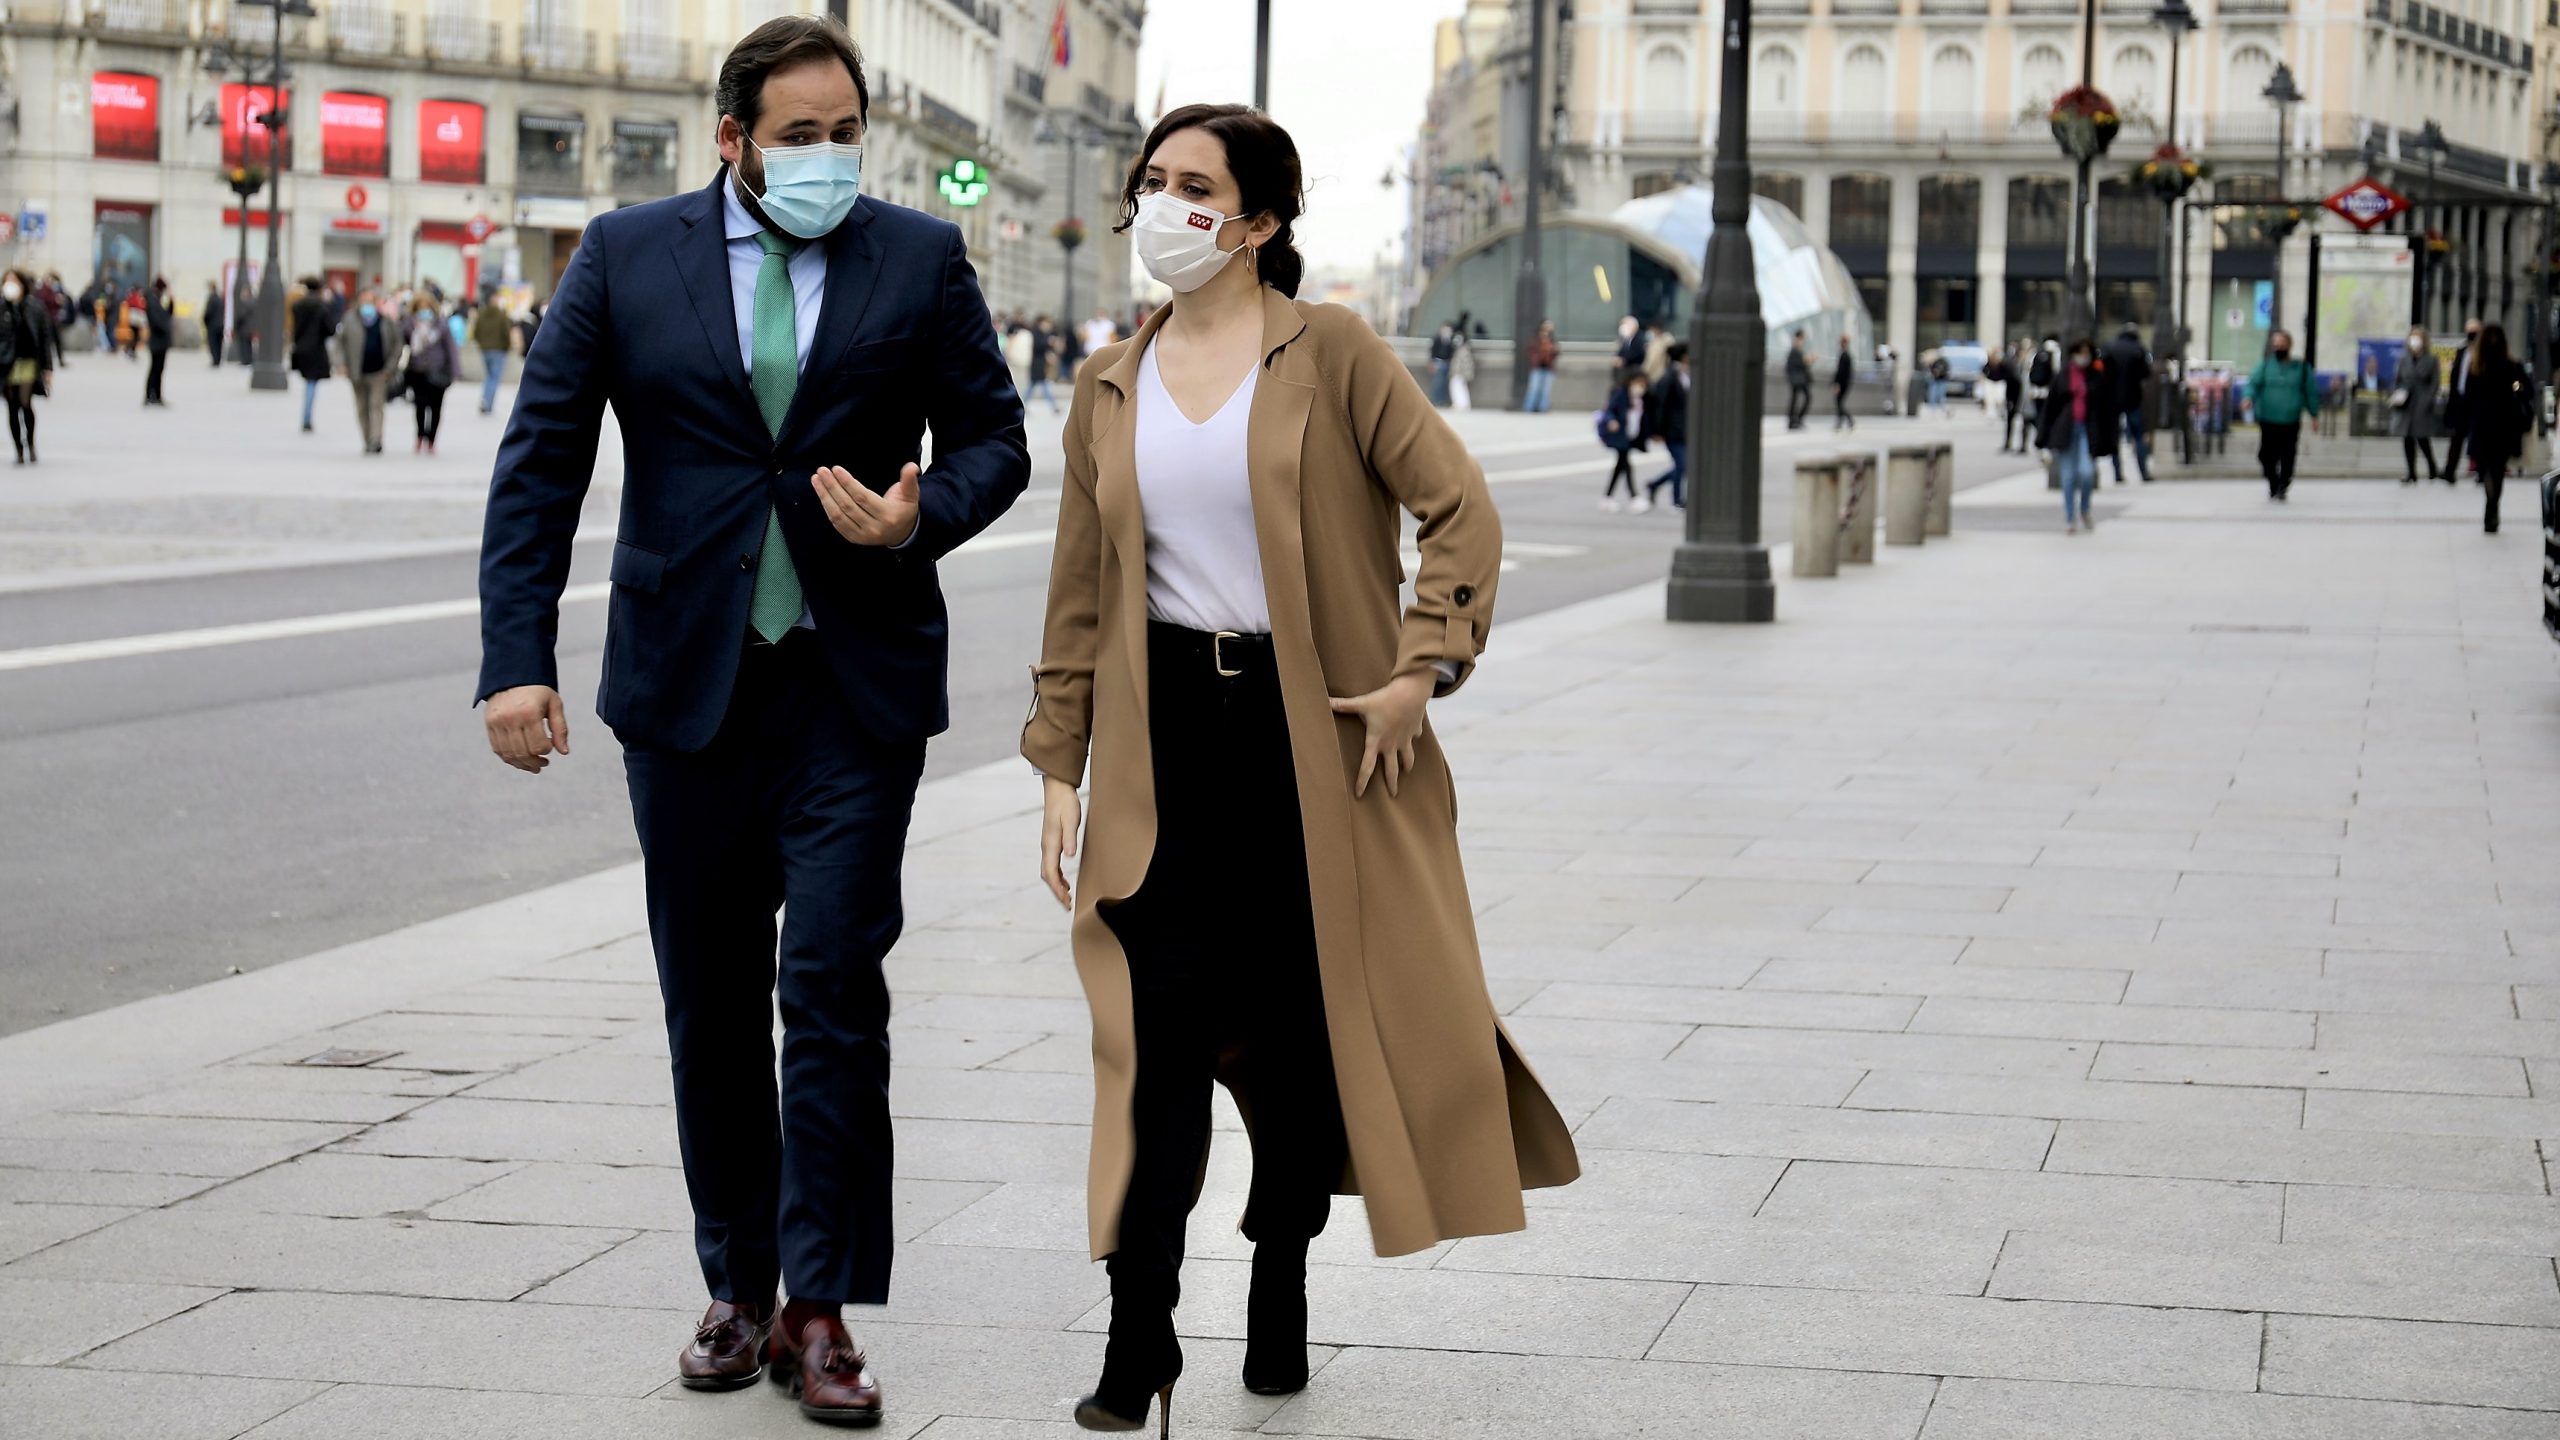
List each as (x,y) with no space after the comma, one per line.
(2284,95)
(1529,292)
(2084,125)
(268,373)
(2430,141)
(1075,134)
(1721,570)
(245,180)
(2168,335)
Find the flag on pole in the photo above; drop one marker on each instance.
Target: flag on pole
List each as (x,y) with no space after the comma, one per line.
(1061,47)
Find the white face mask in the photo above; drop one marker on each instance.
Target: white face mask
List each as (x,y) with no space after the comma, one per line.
(1178,241)
(11,290)
(2416,344)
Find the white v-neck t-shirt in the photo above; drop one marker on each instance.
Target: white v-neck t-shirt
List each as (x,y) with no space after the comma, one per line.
(1204,569)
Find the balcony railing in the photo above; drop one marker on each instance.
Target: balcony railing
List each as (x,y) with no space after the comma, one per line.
(1866,7)
(558,50)
(653,57)
(948,119)
(463,40)
(137,17)
(2044,7)
(364,30)
(1030,84)
(2254,7)
(1657,126)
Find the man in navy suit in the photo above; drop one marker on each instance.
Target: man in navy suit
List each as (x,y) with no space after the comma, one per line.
(774,348)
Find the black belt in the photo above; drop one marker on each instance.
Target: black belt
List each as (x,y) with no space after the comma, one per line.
(1224,652)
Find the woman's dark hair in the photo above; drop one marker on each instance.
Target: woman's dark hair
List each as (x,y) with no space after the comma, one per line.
(2491,353)
(2080,343)
(1264,161)
(778,45)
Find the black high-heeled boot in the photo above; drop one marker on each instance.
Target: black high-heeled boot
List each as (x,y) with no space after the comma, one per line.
(1275,1324)
(1142,1359)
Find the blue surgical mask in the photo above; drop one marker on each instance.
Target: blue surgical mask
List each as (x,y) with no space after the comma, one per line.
(809,189)
(369,313)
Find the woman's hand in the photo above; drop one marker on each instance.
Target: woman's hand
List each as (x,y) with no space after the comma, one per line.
(1061,818)
(1393,715)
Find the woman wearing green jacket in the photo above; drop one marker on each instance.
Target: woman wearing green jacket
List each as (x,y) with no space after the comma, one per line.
(2282,392)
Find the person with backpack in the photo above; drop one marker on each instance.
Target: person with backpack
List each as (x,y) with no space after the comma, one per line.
(1621,425)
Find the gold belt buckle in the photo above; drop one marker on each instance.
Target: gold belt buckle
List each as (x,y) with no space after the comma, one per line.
(1218,653)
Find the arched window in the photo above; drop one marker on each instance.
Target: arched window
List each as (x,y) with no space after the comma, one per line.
(2040,212)
(1861,211)
(1785,189)
(2041,73)
(1662,86)
(1950,211)
(1954,90)
(1866,86)
(2134,78)
(1774,78)
(2245,75)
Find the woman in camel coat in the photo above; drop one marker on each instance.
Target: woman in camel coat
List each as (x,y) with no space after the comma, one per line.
(1441,1123)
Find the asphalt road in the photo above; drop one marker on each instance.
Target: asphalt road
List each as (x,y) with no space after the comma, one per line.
(177,814)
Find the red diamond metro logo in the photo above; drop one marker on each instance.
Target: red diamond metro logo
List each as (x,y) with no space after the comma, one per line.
(2366,203)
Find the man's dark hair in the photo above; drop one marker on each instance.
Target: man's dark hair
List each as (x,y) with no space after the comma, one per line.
(1678,352)
(778,45)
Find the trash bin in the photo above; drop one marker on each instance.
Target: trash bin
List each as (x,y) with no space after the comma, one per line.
(1817,525)
(1942,488)
(1858,508)
(1906,511)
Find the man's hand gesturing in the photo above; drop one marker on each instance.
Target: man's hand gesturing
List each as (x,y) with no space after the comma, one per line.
(526,724)
(863,517)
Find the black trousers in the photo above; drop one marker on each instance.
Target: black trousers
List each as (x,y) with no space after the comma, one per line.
(1622,468)
(1799,400)
(2493,479)
(2457,434)
(2413,446)
(2276,445)
(430,402)
(1840,417)
(791,806)
(1222,964)
(151,381)
(2015,425)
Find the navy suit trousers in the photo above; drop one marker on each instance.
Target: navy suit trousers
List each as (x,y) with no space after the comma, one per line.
(792,807)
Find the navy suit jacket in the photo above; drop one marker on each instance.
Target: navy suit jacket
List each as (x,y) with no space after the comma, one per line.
(643,320)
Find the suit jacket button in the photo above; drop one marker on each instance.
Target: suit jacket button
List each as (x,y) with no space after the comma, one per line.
(746,562)
(1466,595)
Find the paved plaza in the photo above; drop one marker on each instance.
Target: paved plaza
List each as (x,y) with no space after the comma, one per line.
(2042,988)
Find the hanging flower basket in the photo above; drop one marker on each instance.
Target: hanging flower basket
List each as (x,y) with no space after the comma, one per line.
(2437,245)
(2084,122)
(2171,172)
(1069,233)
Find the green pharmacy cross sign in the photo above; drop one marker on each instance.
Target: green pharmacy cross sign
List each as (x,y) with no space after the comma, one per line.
(965,183)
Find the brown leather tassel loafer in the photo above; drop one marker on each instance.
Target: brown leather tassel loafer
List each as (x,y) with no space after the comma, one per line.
(727,1352)
(826,1372)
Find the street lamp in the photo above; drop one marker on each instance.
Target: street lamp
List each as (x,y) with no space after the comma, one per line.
(1075,134)
(2084,125)
(2284,95)
(2168,335)
(1721,570)
(1529,290)
(268,373)
(245,180)
(2429,141)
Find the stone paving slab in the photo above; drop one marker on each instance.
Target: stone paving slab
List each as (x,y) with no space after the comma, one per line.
(1976,1023)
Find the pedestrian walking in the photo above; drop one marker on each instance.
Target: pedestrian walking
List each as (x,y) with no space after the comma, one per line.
(491,332)
(1668,418)
(1631,343)
(2129,365)
(1099,331)
(1236,852)
(1462,369)
(104,301)
(1044,358)
(213,318)
(2078,424)
(1444,346)
(1799,382)
(428,370)
(368,341)
(2017,423)
(2414,401)
(1844,373)
(2457,405)
(314,340)
(159,327)
(1938,375)
(2501,415)
(774,658)
(2281,392)
(1622,430)
(1543,351)
(29,348)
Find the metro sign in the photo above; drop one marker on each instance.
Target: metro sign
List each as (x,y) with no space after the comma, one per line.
(2366,203)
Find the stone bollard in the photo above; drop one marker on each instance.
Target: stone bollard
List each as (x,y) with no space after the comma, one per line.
(1858,508)
(1906,510)
(1817,525)
(1942,488)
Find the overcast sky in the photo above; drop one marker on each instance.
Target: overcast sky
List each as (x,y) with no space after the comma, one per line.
(1348,78)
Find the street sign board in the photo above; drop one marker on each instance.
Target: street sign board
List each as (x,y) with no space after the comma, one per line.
(478,228)
(2366,203)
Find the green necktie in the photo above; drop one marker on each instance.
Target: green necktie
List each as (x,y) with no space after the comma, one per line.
(773,374)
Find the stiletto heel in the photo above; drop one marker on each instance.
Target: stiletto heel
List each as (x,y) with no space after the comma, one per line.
(1164,1413)
(1092,1414)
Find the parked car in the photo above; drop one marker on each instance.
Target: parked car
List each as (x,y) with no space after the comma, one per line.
(1965,359)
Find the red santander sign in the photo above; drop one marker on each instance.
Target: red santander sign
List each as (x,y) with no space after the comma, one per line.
(355,134)
(245,138)
(450,151)
(124,116)
(2366,203)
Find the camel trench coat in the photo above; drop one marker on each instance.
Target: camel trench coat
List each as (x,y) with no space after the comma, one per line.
(1445,1121)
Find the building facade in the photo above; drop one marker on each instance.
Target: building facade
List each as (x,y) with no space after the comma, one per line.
(1911,137)
(468,142)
